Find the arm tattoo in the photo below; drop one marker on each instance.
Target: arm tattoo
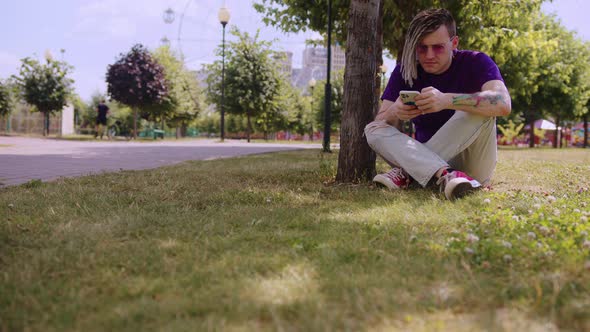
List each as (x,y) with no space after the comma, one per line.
(476,99)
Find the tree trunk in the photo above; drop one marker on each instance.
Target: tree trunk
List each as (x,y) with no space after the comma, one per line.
(532,129)
(585,144)
(46,124)
(249,127)
(557,133)
(356,160)
(135,123)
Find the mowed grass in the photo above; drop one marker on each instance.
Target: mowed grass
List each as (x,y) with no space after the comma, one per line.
(269,242)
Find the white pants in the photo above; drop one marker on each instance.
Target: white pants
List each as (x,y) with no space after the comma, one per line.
(466,142)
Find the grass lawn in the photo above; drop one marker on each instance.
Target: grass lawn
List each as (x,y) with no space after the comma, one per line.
(268,242)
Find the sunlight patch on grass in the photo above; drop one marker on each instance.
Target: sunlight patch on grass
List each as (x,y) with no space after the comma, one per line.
(446,320)
(295,283)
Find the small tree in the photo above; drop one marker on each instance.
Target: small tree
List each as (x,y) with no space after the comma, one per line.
(185,98)
(6,102)
(252,82)
(45,86)
(137,80)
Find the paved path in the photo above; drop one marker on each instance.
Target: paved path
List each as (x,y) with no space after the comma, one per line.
(23,159)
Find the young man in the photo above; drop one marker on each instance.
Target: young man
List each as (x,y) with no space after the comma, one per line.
(101,118)
(460,94)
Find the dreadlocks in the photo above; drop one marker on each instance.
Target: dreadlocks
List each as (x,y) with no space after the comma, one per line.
(425,22)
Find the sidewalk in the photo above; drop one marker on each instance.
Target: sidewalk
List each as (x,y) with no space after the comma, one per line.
(23,159)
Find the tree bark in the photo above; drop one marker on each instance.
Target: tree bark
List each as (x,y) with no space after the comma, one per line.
(356,160)
(585,130)
(532,129)
(46,124)
(557,133)
(249,127)
(135,123)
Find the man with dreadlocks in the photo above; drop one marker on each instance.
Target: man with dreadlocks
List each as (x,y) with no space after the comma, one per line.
(460,94)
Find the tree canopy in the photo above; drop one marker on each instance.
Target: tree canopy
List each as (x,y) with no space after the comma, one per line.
(252,81)
(46,86)
(137,80)
(6,100)
(185,99)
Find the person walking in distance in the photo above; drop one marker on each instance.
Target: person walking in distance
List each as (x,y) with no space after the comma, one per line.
(102,110)
(457,95)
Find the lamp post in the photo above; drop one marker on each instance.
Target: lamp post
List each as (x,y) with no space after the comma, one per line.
(328,88)
(223,19)
(311,85)
(168,16)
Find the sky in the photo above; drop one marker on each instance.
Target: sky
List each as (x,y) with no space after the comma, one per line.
(93,33)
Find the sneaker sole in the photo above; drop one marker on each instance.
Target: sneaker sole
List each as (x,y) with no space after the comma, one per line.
(382,180)
(459,188)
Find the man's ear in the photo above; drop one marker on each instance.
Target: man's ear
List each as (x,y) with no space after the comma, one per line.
(455,42)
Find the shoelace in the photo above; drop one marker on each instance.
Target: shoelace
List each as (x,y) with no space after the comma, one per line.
(444,179)
(396,174)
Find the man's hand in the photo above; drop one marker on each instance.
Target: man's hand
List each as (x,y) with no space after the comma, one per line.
(431,100)
(393,112)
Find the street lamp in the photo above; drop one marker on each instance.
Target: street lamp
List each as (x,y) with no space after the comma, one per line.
(168,16)
(311,84)
(223,19)
(328,88)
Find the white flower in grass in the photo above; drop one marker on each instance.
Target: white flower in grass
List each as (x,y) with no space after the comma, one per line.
(544,230)
(536,199)
(542,215)
(487,201)
(584,219)
(507,244)
(585,213)
(584,233)
(507,258)
(586,244)
(530,211)
(576,210)
(513,208)
(584,204)
(549,253)
(539,245)
(556,212)
(531,235)
(515,218)
(413,238)
(537,206)
(11,205)
(551,199)
(472,238)
(469,251)
(268,200)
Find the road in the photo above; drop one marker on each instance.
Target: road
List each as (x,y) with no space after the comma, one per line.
(23,159)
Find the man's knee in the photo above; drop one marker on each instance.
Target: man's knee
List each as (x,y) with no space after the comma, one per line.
(375,130)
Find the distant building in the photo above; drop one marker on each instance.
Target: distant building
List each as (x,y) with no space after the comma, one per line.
(315,60)
(285,61)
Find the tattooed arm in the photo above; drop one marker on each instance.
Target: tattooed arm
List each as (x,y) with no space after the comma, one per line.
(493,100)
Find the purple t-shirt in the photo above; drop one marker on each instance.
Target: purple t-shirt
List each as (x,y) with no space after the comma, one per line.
(468,72)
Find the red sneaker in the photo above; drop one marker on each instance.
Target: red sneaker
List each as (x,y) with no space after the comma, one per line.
(456,184)
(395,179)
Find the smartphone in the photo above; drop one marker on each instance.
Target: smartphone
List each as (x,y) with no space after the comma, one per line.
(408,96)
